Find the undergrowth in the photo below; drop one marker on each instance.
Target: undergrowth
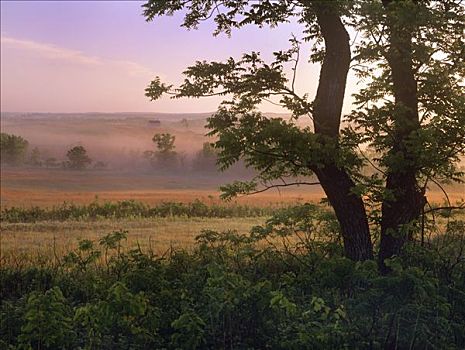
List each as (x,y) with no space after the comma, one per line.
(285,285)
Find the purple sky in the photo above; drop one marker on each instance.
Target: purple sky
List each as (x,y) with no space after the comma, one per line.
(82,56)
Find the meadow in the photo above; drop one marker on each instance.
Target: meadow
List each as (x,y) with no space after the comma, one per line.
(43,242)
(27,187)
(44,218)
(131,257)
(189,282)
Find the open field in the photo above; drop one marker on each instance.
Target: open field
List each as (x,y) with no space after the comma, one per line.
(25,243)
(48,187)
(46,240)
(43,242)
(119,140)
(42,262)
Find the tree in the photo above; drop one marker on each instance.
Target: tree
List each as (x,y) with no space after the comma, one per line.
(34,157)
(13,149)
(205,159)
(409,54)
(165,155)
(413,110)
(78,158)
(185,123)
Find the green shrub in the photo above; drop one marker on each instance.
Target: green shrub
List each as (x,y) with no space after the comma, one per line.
(47,321)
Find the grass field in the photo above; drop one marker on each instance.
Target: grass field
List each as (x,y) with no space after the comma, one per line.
(110,273)
(120,139)
(112,140)
(31,243)
(27,242)
(48,187)
(44,187)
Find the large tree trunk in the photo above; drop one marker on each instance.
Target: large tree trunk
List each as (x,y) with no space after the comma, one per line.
(335,181)
(405,199)
(349,210)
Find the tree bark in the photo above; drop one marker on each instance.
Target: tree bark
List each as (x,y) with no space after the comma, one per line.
(405,199)
(336,182)
(350,212)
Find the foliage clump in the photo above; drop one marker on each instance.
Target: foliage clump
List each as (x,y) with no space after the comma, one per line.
(13,149)
(205,160)
(165,155)
(78,158)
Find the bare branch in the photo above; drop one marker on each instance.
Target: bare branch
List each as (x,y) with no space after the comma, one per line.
(443,191)
(369,161)
(273,103)
(296,63)
(450,208)
(284,185)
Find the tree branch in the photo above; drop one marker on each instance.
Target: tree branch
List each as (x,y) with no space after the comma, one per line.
(450,208)
(284,185)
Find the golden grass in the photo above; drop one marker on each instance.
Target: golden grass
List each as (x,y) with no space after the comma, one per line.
(31,241)
(42,198)
(45,188)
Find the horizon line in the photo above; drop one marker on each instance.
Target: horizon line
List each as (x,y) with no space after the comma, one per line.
(128,112)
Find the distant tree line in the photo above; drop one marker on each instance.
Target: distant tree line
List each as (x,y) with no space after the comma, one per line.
(15,152)
(164,157)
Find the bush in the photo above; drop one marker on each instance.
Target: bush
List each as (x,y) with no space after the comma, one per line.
(77,158)
(47,321)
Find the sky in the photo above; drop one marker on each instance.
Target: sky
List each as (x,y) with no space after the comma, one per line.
(98,56)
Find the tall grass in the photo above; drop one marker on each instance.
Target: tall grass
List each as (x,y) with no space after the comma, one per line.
(130,209)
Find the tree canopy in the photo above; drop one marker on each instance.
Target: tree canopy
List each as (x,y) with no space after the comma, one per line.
(78,158)
(410,108)
(13,148)
(165,154)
